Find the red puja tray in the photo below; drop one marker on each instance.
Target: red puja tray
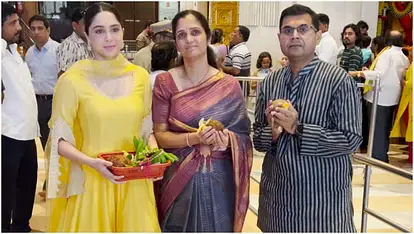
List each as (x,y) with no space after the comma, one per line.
(134,173)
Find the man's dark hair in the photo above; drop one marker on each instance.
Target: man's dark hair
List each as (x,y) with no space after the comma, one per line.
(357,33)
(147,24)
(405,51)
(379,42)
(78,15)
(394,39)
(163,36)
(298,9)
(162,55)
(323,18)
(39,18)
(245,32)
(362,24)
(6,11)
(365,41)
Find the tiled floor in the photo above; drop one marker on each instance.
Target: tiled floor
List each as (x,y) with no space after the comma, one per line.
(390,195)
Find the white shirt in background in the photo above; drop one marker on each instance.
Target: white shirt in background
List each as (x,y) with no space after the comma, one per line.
(327,50)
(19,108)
(43,67)
(391,67)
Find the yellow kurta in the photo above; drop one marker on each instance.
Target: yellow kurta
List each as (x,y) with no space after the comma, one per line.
(99,124)
(400,129)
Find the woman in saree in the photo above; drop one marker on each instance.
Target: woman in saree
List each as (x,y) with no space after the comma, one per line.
(208,189)
(99,105)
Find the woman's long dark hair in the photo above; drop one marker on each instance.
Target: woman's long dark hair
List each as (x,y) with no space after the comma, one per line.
(217,36)
(211,56)
(97,8)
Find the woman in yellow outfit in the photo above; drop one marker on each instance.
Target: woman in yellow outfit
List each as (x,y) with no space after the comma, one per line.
(403,124)
(99,105)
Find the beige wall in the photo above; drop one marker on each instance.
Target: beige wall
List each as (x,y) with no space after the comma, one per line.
(30,9)
(202,7)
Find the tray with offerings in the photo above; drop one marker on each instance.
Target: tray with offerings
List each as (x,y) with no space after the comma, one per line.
(143,163)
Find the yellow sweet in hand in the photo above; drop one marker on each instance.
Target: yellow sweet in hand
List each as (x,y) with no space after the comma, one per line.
(282,102)
(217,125)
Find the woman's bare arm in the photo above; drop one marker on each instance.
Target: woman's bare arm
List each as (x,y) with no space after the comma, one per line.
(70,152)
(170,140)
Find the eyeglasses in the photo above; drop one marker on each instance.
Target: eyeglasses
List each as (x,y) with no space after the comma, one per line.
(301,29)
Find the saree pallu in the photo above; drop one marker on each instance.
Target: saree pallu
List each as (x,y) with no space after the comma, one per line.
(204,194)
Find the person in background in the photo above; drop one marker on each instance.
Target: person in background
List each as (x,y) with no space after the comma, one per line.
(19,129)
(75,47)
(263,65)
(217,38)
(163,57)
(42,62)
(377,48)
(162,32)
(284,61)
(144,38)
(363,28)
(367,55)
(377,45)
(237,62)
(403,125)
(390,67)
(99,105)
(208,189)
(327,49)
(306,183)
(351,58)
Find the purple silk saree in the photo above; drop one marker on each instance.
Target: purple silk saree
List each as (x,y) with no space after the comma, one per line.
(204,194)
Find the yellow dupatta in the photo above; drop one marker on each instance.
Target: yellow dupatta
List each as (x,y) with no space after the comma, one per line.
(59,169)
(400,129)
(372,67)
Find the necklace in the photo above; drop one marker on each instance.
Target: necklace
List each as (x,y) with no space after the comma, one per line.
(195,84)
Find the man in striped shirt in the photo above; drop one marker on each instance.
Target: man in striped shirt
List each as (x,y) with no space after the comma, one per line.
(307,171)
(351,58)
(237,62)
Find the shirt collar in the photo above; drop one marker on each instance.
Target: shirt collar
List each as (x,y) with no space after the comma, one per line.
(396,48)
(353,47)
(240,44)
(46,46)
(325,34)
(77,38)
(306,70)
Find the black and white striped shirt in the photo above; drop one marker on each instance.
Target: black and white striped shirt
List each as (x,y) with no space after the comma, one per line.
(240,58)
(306,180)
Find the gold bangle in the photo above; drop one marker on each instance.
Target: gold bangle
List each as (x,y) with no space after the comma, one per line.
(188,140)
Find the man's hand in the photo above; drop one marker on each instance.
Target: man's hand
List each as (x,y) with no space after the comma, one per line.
(271,115)
(270,112)
(287,118)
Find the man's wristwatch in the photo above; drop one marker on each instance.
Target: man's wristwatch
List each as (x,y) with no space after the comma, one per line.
(299,129)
